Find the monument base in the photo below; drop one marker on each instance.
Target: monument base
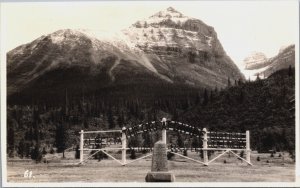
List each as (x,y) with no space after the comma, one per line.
(160,177)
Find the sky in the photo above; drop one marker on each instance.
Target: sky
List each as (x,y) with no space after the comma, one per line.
(242,27)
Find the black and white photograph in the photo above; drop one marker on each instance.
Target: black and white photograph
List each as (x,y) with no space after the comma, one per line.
(150,93)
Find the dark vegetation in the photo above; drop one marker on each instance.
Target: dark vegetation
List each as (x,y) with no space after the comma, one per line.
(44,122)
(264,107)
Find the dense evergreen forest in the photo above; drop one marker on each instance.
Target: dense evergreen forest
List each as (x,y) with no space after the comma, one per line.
(264,107)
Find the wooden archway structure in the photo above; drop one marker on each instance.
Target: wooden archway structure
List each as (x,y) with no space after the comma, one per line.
(222,141)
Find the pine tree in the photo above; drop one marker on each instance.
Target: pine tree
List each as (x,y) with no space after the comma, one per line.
(216,90)
(36,153)
(197,100)
(257,77)
(228,82)
(42,135)
(36,133)
(85,123)
(147,140)
(11,141)
(21,148)
(110,119)
(30,135)
(242,96)
(44,152)
(27,150)
(36,122)
(211,98)
(195,142)
(290,71)
(205,97)
(120,119)
(240,82)
(179,140)
(61,139)
(77,152)
(66,106)
(174,113)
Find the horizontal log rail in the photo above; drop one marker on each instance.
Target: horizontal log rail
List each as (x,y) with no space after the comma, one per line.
(211,140)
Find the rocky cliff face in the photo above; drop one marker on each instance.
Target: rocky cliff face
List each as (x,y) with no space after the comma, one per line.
(168,47)
(183,48)
(284,59)
(255,61)
(258,64)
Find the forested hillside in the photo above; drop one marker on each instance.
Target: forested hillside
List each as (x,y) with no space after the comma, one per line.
(264,107)
(261,106)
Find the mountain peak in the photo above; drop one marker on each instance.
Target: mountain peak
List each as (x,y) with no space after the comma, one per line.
(255,59)
(285,47)
(163,18)
(170,9)
(65,34)
(170,12)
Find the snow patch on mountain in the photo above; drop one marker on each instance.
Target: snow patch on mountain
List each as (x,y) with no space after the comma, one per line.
(257,64)
(167,45)
(164,15)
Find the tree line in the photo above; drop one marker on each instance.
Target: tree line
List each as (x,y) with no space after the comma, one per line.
(261,106)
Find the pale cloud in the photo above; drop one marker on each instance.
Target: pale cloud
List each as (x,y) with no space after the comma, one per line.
(242,27)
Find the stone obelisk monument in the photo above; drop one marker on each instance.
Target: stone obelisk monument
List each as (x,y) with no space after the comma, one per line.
(159,170)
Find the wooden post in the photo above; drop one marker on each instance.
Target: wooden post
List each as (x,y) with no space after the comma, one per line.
(164,131)
(248,150)
(81,145)
(123,139)
(205,157)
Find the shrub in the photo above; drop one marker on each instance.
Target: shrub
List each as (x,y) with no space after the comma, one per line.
(209,153)
(100,155)
(201,154)
(225,161)
(292,154)
(44,152)
(77,152)
(103,155)
(11,153)
(92,152)
(21,148)
(39,158)
(242,153)
(185,152)
(27,150)
(258,158)
(170,155)
(51,151)
(36,154)
(132,154)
